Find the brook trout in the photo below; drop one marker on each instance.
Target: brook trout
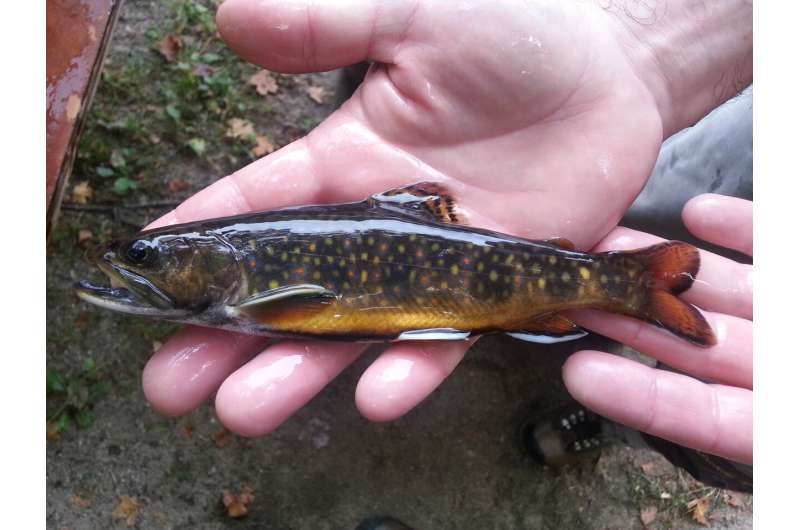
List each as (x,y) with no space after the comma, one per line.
(396,266)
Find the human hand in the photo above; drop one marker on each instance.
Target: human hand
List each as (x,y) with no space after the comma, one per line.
(534,115)
(714,417)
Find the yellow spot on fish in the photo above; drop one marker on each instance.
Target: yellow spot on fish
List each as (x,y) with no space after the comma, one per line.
(480,287)
(541,283)
(342,263)
(328,241)
(284,256)
(510,259)
(536,268)
(270,251)
(443,285)
(552,260)
(631,273)
(435,247)
(585,274)
(440,262)
(363,276)
(480,267)
(316,275)
(370,241)
(495,258)
(617,278)
(376,260)
(603,278)
(412,276)
(285,275)
(412,237)
(565,277)
(312,247)
(273,284)
(493,276)
(306,259)
(359,240)
(329,259)
(401,248)
(364,256)
(454,270)
(252,244)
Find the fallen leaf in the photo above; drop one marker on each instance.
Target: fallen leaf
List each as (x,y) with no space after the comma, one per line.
(263,146)
(699,509)
(187,430)
(264,82)
(318,94)
(198,145)
(157,345)
(80,501)
(85,237)
(236,505)
(736,499)
(53,434)
(169,47)
(127,509)
(222,437)
(177,185)
(239,128)
(203,70)
(73,107)
(154,138)
(82,192)
(82,320)
(648,515)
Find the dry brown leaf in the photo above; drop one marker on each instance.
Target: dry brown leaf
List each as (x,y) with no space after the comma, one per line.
(80,501)
(263,146)
(127,509)
(154,138)
(85,237)
(187,430)
(239,128)
(177,185)
(222,437)
(699,509)
(236,505)
(264,82)
(82,320)
(169,47)
(82,192)
(73,107)
(736,499)
(648,515)
(318,94)
(53,435)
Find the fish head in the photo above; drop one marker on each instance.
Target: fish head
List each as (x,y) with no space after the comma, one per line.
(173,276)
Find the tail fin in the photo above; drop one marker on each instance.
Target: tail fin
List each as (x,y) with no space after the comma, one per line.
(670,269)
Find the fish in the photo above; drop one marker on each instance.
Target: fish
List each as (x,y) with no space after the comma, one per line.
(398,265)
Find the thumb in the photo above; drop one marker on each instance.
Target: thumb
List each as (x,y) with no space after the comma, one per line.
(295,36)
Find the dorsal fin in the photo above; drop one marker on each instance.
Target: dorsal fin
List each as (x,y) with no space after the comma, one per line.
(428,200)
(560,242)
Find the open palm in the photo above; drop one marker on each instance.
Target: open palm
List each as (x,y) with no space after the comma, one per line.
(531,113)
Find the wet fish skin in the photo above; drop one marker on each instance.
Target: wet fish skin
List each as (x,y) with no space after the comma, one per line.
(394,266)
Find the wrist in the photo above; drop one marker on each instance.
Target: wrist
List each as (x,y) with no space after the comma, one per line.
(691,55)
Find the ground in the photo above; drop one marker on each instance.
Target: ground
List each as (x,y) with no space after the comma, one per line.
(161,129)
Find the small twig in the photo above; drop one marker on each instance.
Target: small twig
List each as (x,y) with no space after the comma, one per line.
(111,207)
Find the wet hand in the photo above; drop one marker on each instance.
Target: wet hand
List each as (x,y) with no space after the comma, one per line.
(711,407)
(506,103)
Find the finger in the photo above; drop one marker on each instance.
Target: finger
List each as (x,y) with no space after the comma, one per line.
(724,221)
(404,375)
(730,361)
(714,419)
(304,36)
(265,392)
(191,365)
(722,285)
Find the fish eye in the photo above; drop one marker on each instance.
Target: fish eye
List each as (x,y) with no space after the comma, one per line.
(140,252)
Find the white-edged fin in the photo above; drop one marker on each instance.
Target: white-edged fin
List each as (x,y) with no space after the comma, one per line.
(545,339)
(434,334)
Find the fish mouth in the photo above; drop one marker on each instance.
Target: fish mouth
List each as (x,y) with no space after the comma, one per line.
(130,293)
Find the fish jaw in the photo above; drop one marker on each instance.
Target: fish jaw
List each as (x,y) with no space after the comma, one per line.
(129,293)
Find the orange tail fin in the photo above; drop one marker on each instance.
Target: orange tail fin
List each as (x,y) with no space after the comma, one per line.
(670,269)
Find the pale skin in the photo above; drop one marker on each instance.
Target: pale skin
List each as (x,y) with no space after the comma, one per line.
(543,118)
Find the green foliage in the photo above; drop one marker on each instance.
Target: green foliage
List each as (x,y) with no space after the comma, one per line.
(71,398)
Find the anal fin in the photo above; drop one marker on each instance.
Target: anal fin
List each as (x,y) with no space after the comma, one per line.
(549,329)
(434,334)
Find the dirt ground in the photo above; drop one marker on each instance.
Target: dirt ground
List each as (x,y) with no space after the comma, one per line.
(158,132)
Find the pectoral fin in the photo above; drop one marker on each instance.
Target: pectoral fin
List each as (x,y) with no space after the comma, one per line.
(549,329)
(295,299)
(427,200)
